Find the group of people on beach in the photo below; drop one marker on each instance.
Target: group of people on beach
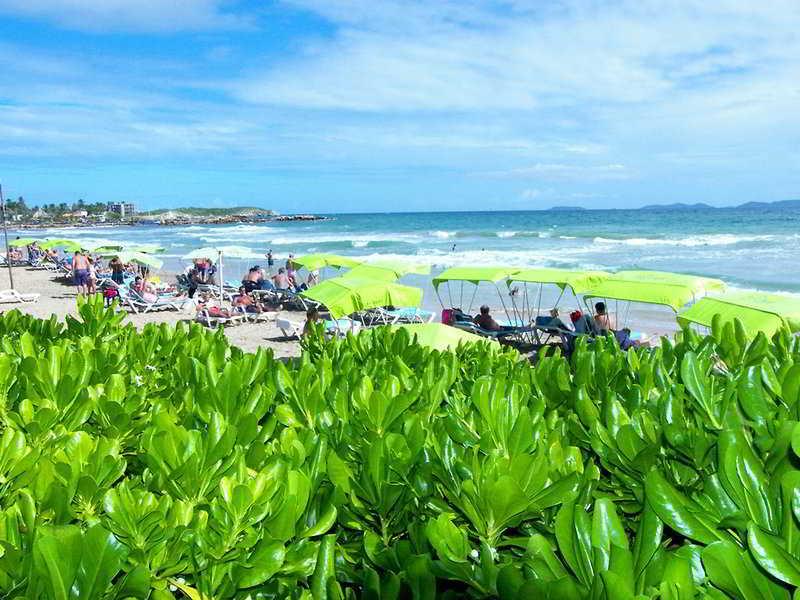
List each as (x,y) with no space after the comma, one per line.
(601,323)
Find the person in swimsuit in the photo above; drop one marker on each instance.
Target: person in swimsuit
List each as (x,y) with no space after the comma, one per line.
(485,321)
(80,272)
(602,320)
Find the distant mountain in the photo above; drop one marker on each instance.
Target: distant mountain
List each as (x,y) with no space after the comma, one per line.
(677,206)
(778,204)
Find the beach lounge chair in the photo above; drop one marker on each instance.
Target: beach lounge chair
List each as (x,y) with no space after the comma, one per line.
(288,329)
(15,297)
(341,327)
(139,305)
(211,318)
(256,317)
(382,316)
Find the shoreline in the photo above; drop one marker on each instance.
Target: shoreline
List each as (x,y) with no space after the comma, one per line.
(232,220)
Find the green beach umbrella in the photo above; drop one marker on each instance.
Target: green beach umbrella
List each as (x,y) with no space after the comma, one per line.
(386,271)
(473,274)
(22,242)
(758,311)
(136,257)
(664,294)
(699,284)
(754,320)
(100,246)
(146,248)
(314,262)
(346,295)
(66,245)
(442,337)
(577,281)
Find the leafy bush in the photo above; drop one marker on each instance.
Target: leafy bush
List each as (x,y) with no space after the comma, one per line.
(166,463)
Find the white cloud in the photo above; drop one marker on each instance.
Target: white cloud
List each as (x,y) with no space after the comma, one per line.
(157,16)
(570,65)
(563,172)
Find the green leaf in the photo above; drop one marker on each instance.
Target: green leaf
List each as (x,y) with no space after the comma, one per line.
(264,562)
(101,560)
(769,552)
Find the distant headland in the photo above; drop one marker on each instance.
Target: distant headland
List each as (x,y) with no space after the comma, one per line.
(678,206)
(83,214)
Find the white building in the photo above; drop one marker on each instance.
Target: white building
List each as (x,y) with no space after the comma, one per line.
(123,209)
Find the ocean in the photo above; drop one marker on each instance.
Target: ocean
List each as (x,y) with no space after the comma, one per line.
(747,248)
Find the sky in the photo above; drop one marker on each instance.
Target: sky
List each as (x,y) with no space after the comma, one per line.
(400,105)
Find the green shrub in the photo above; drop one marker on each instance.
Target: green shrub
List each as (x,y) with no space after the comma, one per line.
(165,463)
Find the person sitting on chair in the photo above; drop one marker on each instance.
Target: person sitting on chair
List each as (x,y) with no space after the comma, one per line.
(485,321)
(312,316)
(602,320)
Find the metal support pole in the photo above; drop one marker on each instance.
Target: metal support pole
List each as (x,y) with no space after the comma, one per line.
(5,237)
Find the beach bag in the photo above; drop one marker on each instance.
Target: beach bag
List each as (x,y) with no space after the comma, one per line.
(447,316)
(110,293)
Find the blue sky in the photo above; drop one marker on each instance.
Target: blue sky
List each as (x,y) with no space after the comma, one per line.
(345,105)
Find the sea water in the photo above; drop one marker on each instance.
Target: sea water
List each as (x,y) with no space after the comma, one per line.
(747,248)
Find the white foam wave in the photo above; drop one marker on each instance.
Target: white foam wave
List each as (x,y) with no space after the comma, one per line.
(717,239)
(506,234)
(443,234)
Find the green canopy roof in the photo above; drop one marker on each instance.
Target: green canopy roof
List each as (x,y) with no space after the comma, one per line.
(578,281)
(312,262)
(437,336)
(786,308)
(665,294)
(754,320)
(21,242)
(346,295)
(697,283)
(146,248)
(386,271)
(136,257)
(473,274)
(67,245)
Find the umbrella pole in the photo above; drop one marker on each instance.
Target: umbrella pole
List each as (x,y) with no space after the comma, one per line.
(221,278)
(5,236)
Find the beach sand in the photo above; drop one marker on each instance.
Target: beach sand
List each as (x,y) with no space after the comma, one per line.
(58,298)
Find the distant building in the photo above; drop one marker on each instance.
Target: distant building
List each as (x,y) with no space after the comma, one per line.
(123,209)
(40,214)
(77,214)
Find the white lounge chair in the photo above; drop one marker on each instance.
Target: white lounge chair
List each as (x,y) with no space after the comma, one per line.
(139,305)
(204,317)
(290,330)
(15,297)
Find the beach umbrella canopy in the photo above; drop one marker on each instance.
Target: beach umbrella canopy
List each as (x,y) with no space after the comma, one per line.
(437,336)
(665,294)
(66,245)
(758,311)
(386,271)
(473,274)
(698,283)
(577,281)
(346,295)
(141,258)
(146,248)
(754,320)
(100,246)
(314,262)
(22,242)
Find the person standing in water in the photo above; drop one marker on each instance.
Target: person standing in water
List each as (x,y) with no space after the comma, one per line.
(270,261)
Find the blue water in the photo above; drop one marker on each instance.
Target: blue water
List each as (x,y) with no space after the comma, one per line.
(754,249)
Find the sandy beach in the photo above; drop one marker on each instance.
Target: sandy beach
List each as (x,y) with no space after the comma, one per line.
(59,298)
